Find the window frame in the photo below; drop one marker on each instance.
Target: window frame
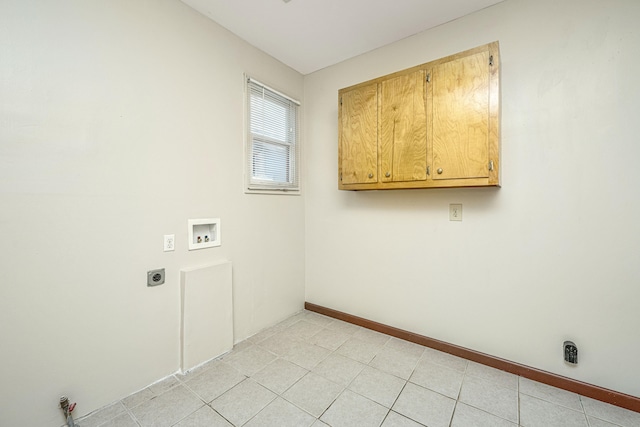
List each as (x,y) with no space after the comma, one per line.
(253,185)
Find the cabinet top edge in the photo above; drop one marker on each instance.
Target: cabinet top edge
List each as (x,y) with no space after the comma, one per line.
(493,47)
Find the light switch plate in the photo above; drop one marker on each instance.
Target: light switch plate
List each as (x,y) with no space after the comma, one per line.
(455,212)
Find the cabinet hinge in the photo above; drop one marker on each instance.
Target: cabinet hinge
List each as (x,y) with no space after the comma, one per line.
(491,165)
(428,170)
(428,77)
(491,60)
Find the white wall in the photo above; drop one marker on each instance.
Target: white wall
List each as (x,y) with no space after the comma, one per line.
(120,120)
(553,254)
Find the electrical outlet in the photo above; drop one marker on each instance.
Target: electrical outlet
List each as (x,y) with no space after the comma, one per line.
(455,212)
(570,352)
(169,242)
(155,277)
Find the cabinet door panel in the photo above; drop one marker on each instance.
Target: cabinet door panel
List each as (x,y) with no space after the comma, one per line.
(460,124)
(403,128)
(359,135)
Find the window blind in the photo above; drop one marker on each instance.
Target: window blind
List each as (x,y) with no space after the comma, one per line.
(272,144)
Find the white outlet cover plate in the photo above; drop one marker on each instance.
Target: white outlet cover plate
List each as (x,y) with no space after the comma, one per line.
(455,212)
(169,242)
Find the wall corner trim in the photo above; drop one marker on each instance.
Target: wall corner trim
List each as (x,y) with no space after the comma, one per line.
(585,389)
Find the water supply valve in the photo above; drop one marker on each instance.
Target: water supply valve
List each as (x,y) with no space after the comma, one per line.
(68,408)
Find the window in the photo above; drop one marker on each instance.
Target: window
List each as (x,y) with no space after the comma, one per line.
(272,140)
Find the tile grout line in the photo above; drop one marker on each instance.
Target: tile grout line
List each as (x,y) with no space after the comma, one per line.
(453,414)
(262,409)
(133,417)
(386,416)
(519,420)
(344,388)
(484,410)
(495,381)
(221,416)
(457,400)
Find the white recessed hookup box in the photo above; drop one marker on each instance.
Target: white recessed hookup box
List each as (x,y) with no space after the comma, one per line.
(204,233)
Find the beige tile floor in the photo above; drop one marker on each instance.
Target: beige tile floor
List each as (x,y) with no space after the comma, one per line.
(312,370)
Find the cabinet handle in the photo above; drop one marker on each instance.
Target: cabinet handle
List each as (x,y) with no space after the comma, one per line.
(440,171)
(370,175)
(387,174)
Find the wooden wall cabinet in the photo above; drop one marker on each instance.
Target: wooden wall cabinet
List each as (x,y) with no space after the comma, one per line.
(430,126)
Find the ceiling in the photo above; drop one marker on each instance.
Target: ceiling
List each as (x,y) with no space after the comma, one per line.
(308,35)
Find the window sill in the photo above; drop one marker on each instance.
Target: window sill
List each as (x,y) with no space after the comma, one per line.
(273,191)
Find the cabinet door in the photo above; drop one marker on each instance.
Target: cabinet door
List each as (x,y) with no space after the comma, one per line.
(403,128)
(459,103)
(359,135)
